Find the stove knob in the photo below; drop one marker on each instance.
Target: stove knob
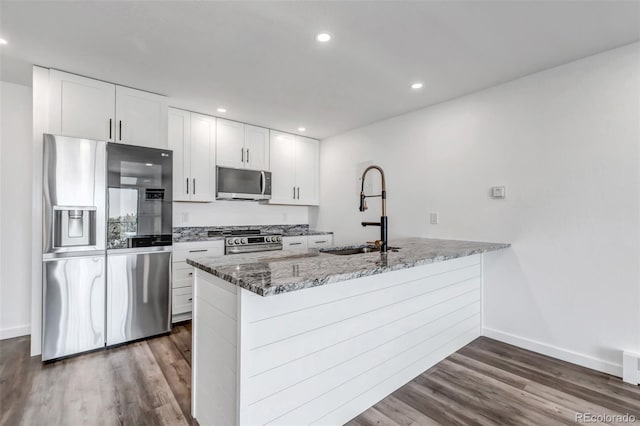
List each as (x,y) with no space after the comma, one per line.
(230,241)
(236,241)
(267,239)
(244,241)
(279,239)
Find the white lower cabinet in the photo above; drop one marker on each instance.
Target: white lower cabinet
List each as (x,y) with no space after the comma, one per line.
(294,243)
(182,283)
(320,241)
(304,242)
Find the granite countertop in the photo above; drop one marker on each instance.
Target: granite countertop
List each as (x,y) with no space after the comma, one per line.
(271,273)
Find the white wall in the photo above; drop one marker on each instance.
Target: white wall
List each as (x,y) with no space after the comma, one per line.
(565,144)
(223,213)
(15,209)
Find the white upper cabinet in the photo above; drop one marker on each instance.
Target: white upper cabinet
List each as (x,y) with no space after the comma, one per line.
(179,143)
(230,144)
(81,107)
(86,108)
(307,155)
(192,139)
(282,168)
(295,169)
(242,146)
(141,118)
(202,151)
(256,145)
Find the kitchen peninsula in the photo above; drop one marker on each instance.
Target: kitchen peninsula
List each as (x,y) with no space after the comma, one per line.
(316,337)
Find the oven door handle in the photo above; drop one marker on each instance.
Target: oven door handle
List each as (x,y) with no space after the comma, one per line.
(263,179)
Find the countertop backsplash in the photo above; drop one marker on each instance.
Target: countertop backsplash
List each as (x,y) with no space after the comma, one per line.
(211,233)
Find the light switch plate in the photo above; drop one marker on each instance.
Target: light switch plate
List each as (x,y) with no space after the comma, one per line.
(498,192)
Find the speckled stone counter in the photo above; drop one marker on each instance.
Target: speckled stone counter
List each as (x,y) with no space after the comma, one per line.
(271,273)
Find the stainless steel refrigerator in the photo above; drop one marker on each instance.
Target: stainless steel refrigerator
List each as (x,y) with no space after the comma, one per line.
(106,252)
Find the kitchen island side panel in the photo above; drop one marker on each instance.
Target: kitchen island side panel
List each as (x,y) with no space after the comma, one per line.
(323,355)
(214,351)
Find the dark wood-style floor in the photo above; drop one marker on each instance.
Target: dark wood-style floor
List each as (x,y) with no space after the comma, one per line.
(148,383)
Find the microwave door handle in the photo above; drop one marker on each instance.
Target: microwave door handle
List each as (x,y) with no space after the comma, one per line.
(263,185)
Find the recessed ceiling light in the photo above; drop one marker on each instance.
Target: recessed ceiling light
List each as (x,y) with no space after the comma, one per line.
(222,110)
(323,37)
(3,41)
(302,129)
(416,85)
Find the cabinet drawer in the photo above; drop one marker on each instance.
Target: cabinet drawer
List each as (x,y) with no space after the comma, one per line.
(182,300)
(320,241)
(197,250)
(182,271)
(294,243)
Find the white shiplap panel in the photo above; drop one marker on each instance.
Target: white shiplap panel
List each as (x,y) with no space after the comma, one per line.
(218,349)
(285,351)
(389,380)
(215,354)
(261,308)
(219,323)
(300,321)
(419,356)
(315,363)
(223,298)
(327,390)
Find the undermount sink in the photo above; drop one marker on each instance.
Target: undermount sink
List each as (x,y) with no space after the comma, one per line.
(357,250)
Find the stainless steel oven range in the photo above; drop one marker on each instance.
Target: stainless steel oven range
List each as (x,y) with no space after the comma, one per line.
(250,241)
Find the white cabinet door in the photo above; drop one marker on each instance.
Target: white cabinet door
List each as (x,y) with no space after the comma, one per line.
(256,145)
(203,140)
(307,157)
(230,144)
(81,107)
(141,118)
(179,137)
(294,243)
(282,168)
(320,241)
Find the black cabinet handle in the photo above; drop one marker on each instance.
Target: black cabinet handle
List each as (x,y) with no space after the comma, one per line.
(187,185)
(295,244)
(190,273)
(110,129)
(197,251)
(120,129)
(190,299)
(242,154)
(294,192)
(194,186)
(321,241)
(298,193)
(247,155)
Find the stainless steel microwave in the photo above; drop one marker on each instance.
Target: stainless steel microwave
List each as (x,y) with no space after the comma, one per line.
(242,184)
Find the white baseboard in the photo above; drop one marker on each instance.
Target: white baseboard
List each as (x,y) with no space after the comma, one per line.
(8,333)
(555,352)
(631,367)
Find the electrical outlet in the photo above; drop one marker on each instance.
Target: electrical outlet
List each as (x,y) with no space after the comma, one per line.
(434,218)
(498,192)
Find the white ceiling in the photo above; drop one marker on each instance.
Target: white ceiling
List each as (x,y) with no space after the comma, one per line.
(260,59)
